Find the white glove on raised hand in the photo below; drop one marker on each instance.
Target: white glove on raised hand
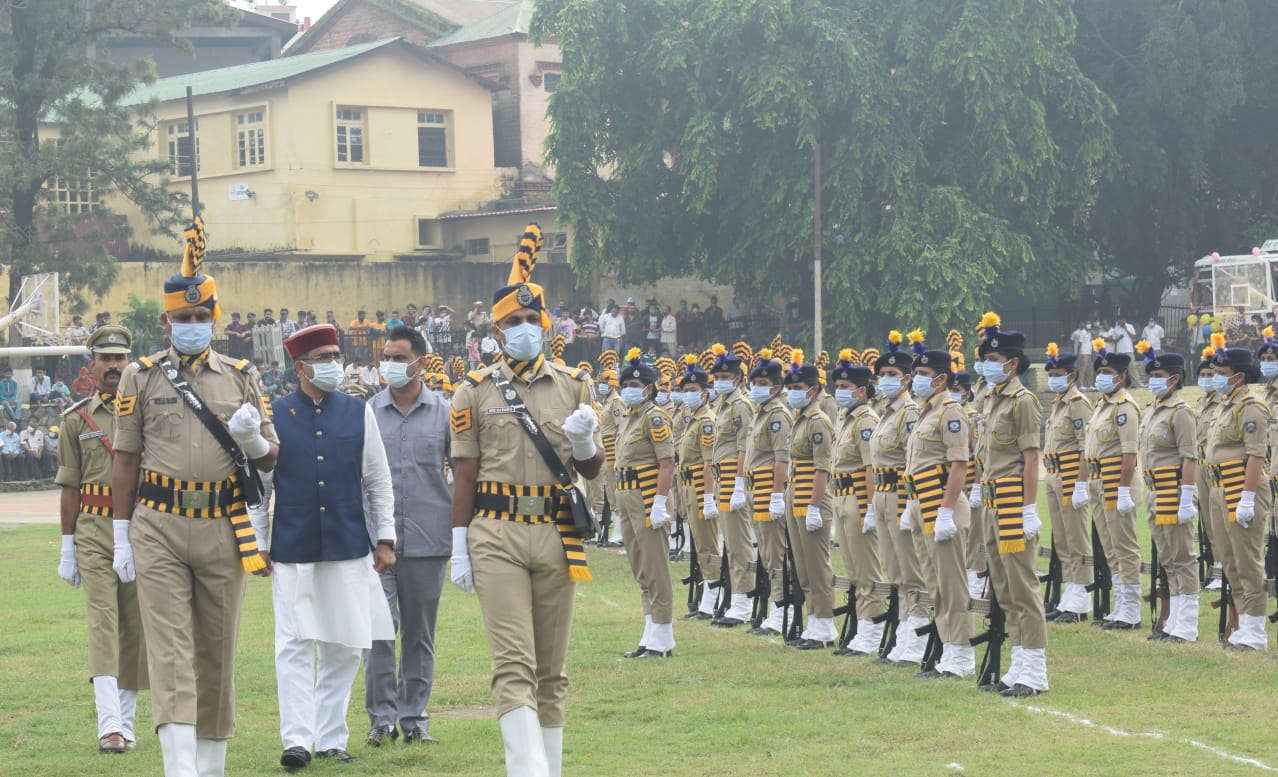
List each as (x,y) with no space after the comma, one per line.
(68,569)
(1079,499)
(974,498)
(776,505)
(868,525)
(1126,506)
(813,519)
(580,428)
(738,494)
(945,528)
(448,477)
(246,429)
(709,510)
(1030,521)
(122,561)
(1246,508)
(1187,512)
(462,576)
(906,517)
(658,517)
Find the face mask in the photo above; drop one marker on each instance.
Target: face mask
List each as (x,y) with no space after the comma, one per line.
(1207,383)
(1222,383)
(891,387)
(328,375)
(957,396)
(1269,369)
(995,373)
(797,398)
(760,394)
(663,397)
(722,387)
(1158,386)
(395,373)
(844,398)
(602,390)
(192,339)
(677,397)
(523,342)
(711,394)
(692,400)
(631,395)
(1106,383)
(922,386)
(1057,383)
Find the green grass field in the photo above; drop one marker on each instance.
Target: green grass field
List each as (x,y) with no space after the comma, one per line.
(726,704)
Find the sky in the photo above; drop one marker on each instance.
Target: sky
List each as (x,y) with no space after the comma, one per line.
(312,8)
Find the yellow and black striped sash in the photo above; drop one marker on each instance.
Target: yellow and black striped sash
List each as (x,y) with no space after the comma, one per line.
(225,499)
(802,485)
(610,449)
(695,477)
(535,505)
(95,500)
(889,479)
(1066,464)
(760,482)
(969,478)
(1229,477)
(1164,482)
(641,478)
(853,484)
(1110,471)
(725,473)
(1006,497)
(928,487)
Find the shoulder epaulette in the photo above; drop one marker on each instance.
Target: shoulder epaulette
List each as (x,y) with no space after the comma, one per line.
(143,363)
(581,374)
(475,377)
(244,365)
(1076,397)
(71,410)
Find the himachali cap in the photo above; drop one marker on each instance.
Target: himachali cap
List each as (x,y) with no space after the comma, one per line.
(189,287)
(767,368)
(110,339)
(634,369)
(309,339)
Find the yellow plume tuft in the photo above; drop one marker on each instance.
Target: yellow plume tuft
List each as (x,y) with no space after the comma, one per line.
(718,349)
(845,355)
(1268,332)
(916,336)
(633,354)
(764,354)
(1208,352)
(1098,344)
(894,337)
(990,319)
(690,358)
(1142,347)
(1218,340)
(796,356)
(1053,350)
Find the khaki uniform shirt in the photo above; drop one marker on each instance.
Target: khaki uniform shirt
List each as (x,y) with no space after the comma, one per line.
(1067,423)
(733,419)
(1241,428)
(646,436)
(697,444)
(828,405)
(770,435)
(1114,427)
(1013,419)
(1271,399)
(892,435)
(1167,433)
(82,458)
(812,439)
(610,413)
(1206,411)
(852,451)
(154,421)
(941,435)
(483,428)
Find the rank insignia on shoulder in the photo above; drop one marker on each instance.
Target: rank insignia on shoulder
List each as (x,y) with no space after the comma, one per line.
(1078,423)
(1121,419)
(125,405)
(866,434)
(774,427)
(459,420)
(954,427)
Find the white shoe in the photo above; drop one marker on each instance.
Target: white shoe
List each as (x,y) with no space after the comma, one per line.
(553,740)
(775,617)
(525,749)
(905,637)
(210,757)
(178,749)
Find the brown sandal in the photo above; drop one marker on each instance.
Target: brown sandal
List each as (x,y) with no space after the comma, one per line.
(111,743)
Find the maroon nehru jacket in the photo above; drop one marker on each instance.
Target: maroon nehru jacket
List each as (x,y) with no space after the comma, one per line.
(309,339)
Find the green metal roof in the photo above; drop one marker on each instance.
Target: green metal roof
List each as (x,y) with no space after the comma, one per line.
(256,74)
(510,21)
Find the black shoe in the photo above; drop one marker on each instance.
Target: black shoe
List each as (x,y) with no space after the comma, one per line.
(418,735)
(846,650)
(379,734)
(994,687)
(1069,617)
(903,663)
(857,653)
(726,622)
(1157,636)
(337,754)
(1052,615)
(1020,691)
(928,674)
(884,661)
(814,644)
(794,642)
(636,653)
(948,675)
(760,631)
(656,653)
(1099,622)
(698,616)
(296,758)
(1120,626)
(1175,639)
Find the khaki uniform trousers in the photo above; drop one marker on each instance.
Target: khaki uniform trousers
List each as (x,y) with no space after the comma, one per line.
(812,562)
(1208,508)
(190,589)
(705,533)
(1015,580)
(974,536)
(897,548)
(1071,538)
(948,580)
(116,645)
(648,551)
(1176,554)
(1118,534)
(771,536)
(860,557)
(594,490)
(1244,551)
(525,597)
(738,541)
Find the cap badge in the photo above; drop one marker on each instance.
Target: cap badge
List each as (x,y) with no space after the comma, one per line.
(192,294)
(524,296)
(922,360)
(994,342)
(111,338)
(510,394)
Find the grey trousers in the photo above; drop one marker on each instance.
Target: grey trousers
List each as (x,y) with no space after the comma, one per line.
(413,587)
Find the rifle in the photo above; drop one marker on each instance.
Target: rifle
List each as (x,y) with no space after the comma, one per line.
(605,524)
(990,672)
(761,593)
(1053,579)
(1228,612)
(1159,596)
(932,650)
(891,618)
(1102,582)
(694,581)
(848,630)
(680,538)
(791,592)
(1271,563)
(1206,560)
(723,583)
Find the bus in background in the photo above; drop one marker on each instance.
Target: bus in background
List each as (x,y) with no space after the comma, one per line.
(1236,286)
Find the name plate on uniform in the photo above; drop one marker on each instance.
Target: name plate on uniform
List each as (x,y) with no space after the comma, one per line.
(194,500)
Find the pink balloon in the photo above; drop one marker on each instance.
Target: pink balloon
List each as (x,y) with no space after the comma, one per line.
(1255,251)
(1215,256)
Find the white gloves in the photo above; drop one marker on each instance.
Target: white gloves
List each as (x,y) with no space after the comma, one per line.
(1125,504)
(246,428)
(813,520)
(1030,521)
(68,569)
(462,576)
(448,476)
(868,524)
(738,494)
(709,509)
(658,517)
(945,528)
(1187,512)
(580,428)
(906,523)
(1079,499)
(974,498)
(776,505)
(1246,508)
(122,562)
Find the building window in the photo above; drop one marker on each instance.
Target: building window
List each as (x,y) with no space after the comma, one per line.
(75,196)
(477,247)
(350,135)
(550,82)
(432,139)
(250,135)
(180,156)
(557,248)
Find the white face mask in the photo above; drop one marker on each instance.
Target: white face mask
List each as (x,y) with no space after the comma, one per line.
(396,374)
(523,342)
(327,376)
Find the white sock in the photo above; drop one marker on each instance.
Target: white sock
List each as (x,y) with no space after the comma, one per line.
(106,695)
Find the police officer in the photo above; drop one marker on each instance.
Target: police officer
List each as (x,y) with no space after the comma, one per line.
(1168,453)
(180,505)
(611,408)
(1067,495)
(1010,461)
(117,653)
(1209,517)
(767,470)
(1112,442)
(514,543)
(810,501)
(1236,449)
(696,452)
(852,481)
(962,393)
(733,420)
(645,475)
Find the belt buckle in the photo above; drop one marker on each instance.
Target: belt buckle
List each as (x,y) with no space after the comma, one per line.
(194,500)
(530,505)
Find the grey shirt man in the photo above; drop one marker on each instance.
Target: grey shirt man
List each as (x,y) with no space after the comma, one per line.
(416,445)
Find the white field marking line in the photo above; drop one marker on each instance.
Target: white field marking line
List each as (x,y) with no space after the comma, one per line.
(1148,735)
(955,766)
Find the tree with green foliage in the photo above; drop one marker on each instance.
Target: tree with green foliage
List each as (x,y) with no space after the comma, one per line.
(961,147)
(62,119)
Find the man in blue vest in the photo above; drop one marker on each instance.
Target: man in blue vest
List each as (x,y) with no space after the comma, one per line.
(325,550)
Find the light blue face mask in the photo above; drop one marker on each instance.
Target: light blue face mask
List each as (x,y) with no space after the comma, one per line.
(1207,383)
(192,339)
(692,399)
(722,387)
(891,387)
(631,395)
(797,398)
(1269,369)
(957,396)
(922,386)
(1158,386)
(676,397)
(1106,383)
(760,394)
(994,372)
(395,373)
(843,398)
(1222,383)
(1057,383)
(711,393)
(663,397)
(602,389)
(523,342)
